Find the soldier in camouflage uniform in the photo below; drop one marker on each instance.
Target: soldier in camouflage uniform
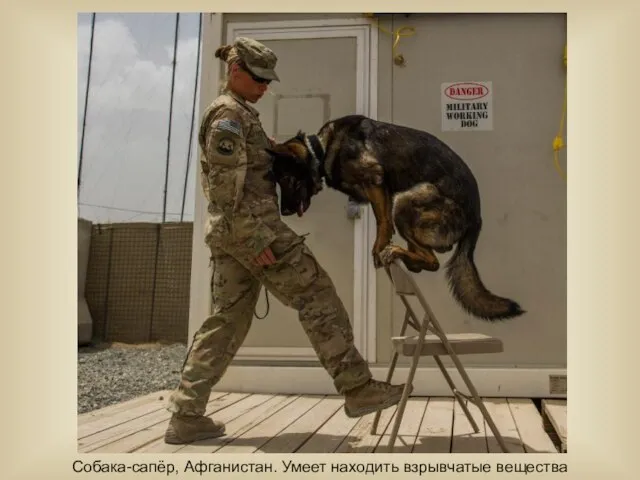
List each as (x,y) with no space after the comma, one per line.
(251,246)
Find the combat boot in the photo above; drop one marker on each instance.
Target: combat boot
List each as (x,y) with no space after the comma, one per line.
(371,397)
(187,429)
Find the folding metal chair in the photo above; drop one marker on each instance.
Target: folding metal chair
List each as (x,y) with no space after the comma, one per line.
(432,341)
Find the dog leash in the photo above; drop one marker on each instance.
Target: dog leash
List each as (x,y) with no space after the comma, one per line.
(266,296)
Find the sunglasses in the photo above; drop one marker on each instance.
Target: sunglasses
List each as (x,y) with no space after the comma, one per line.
(255,77)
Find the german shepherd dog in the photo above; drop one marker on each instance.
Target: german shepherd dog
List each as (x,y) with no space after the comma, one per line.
(412,180)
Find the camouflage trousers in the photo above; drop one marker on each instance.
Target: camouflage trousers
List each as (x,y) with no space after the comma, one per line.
(298,281)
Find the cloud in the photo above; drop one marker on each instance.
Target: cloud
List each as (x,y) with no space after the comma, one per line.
(128,118)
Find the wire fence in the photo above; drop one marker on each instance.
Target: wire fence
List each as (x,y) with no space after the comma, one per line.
(138,281)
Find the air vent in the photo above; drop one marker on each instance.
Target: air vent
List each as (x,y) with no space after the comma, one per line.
(558,384)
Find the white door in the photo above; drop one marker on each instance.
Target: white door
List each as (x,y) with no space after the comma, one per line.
(318,81)
(324,74)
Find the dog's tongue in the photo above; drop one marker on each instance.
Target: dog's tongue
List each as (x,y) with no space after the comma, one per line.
(300,209)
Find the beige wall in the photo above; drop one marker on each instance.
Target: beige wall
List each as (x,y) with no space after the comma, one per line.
(522,249)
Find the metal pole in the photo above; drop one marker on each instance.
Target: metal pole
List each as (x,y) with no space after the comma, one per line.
(193,118)
(173,81)
(86,100)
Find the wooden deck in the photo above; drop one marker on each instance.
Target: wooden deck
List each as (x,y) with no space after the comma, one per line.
(265,423)
(554,418)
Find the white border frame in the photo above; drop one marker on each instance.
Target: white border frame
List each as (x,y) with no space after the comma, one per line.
(200,297)
(364,307)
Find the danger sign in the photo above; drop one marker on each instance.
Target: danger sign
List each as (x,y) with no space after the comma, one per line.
(467,106)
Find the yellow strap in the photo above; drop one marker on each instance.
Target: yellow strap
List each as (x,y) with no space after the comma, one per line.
(558,143)
(398,33)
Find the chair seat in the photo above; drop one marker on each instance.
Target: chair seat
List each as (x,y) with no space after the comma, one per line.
(461,343)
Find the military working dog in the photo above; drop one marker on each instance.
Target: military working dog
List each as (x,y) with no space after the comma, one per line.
(412,180)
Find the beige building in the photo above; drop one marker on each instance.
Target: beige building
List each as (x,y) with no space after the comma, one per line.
(332,65)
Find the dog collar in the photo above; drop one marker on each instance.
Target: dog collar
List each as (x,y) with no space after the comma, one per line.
(317,152)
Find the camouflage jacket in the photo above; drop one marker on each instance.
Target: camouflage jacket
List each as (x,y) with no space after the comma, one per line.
(234,168)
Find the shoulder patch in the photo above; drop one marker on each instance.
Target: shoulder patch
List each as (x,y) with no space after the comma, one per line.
(230,126)
(226,146)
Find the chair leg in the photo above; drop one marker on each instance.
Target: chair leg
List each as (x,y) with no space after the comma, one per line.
(392,367)
(479,403)
(485,413)
(402,405)
(453,388)
(415,359)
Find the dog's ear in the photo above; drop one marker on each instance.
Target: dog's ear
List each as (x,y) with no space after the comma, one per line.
(278,150)
(298,150)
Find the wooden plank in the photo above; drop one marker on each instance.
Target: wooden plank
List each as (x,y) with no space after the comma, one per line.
(155,432)
(296,434)
(465,439)
(360,439)
(112,411)
(316,424)
(500,412)
(529,424)
(121,414)
(253,438)
(152,424)
(434,435)
(555,411)
(97,440)
(328,437)
(225,415)
(408,429)
(239,425)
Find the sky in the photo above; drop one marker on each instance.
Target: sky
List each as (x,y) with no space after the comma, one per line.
(127,119)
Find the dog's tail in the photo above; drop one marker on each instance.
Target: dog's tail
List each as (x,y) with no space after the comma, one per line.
(467,287)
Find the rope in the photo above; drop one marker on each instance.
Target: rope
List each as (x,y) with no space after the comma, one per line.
(398,33)
(558,143)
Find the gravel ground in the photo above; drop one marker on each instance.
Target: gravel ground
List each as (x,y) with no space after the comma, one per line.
(114,373)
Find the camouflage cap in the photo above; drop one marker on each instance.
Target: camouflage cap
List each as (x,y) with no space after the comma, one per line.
(257,57)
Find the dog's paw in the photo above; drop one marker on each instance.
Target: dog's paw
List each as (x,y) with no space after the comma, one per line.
(387,255)
(412,267)
(377,263)
(431,266)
